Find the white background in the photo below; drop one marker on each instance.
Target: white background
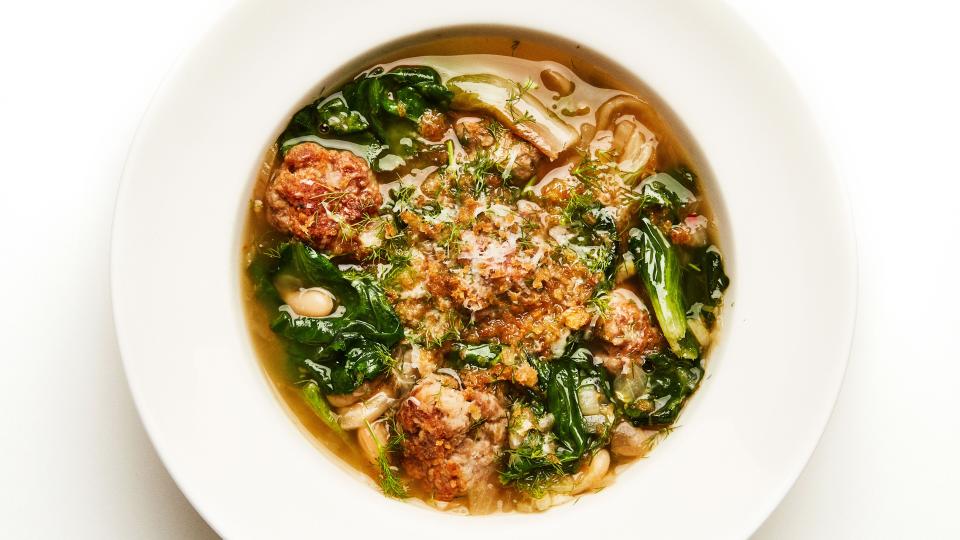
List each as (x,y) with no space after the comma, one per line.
(881,78)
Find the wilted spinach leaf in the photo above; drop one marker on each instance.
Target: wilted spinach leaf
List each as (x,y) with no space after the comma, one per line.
(344,349)
(559,381)
(664,192)
(394,101)
(346,364)
(338,118)
(595,232)
(377,111)
(703,277)
(669,381)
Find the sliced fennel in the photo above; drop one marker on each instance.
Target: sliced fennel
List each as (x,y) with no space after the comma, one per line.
(514,107)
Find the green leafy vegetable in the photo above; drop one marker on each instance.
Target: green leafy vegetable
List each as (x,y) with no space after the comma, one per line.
(394,101)
(685,176)
(390,483)
(345,364)
(364,144)
(338,118)
(663,191)
(563,402)
(363,306)
(351,345)
(595,232)
(532,469)
(483,355)
(319,405)
(704,279)
(654,396)
(529,466)
(372,114)
(659,270)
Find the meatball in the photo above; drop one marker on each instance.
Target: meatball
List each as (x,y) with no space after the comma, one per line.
(432,125)
(452,437)
(318,195)
(517,158)
(628,330)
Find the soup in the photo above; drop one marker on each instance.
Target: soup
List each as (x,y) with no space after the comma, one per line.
(482,277)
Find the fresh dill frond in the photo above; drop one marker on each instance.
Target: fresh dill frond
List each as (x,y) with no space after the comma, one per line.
(479,168)
(516,95)
(525,118)
(402,198)
(496,129)
(531,470)
(330,196)
(600,302)
(651,442)
(390,483)
(451,242)
(346,229)
(525,88)
(397,435)
(588,171)
(527,226)
(577,206)
(392,254)
(398,261)
(452,332)
(273,252)
(424,337)
(594,258)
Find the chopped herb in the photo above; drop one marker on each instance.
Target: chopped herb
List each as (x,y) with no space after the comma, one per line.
(516,94)
(496,129)
(390,483)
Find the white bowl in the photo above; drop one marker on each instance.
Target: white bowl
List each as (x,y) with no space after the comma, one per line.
(228,441)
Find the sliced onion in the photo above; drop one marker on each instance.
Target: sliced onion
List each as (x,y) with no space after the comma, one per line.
(357,415)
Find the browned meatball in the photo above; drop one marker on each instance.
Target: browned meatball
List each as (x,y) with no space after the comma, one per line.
(318,194)
(516,157)
(452,437)
(432,125)
(629,331)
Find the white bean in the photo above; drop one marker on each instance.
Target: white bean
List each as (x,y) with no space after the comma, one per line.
(312,302)
(593,473)
(371,443)
(358,414)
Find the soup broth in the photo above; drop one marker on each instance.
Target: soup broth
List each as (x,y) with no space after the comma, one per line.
(484,273)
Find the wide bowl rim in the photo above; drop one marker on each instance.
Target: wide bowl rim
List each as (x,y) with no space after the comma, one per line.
(845,233)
